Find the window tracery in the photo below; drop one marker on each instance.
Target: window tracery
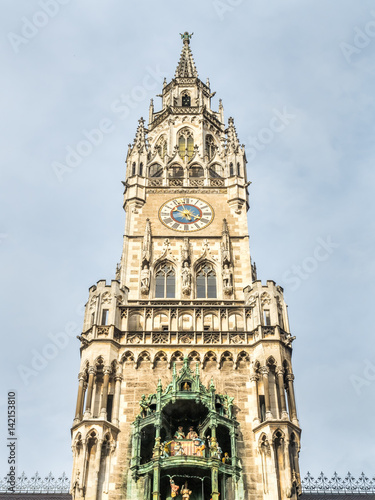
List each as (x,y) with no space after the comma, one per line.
(206,282)
(165,282)
(185,143)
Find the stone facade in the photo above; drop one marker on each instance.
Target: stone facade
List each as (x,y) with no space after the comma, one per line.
(186,323)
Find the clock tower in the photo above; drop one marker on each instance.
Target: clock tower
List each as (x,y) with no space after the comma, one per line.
(186,383)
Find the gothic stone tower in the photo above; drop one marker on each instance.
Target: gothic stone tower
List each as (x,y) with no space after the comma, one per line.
(186,335)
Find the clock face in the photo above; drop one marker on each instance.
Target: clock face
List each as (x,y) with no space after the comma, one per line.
(186,214)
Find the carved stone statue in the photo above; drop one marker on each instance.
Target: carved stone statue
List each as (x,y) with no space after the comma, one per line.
(185,251)
(254,272)
(227,279)
(186,278)
(225,244)
(146,248)
(145,279)
(118,271)
(226,458)
(179,434)
(185,492)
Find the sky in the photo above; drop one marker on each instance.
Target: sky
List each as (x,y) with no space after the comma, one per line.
(298,78)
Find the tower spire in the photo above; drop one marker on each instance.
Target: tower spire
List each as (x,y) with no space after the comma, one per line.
(186,65)
(232,138)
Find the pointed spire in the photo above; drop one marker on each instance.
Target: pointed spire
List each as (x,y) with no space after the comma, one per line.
(186,65)
(140,135)
(232,139)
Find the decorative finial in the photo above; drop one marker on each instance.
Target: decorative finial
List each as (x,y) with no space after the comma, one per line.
(186,37)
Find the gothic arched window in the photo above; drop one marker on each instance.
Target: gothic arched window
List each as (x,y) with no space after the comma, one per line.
(231,170)
(216,171)
(155,170)
(133,168)
(176,172)
(206,282)
(161,146)
(165,282)
(186,101)
(196,171)
(238,170)
(186,143)
(141,169)
(210,147)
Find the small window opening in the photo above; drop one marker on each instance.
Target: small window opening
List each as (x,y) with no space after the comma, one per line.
(109,407)
(141,169)
(267,317)
(133,168)
(186,101)
(262,407)
(105,316)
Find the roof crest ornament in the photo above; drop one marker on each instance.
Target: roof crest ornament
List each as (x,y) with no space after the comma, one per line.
(186,66)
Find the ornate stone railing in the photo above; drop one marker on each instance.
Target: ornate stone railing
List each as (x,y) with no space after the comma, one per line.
(347,484)
(37,484)
(336,484)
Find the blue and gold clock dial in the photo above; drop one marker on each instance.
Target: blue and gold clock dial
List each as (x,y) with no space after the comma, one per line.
(186,214)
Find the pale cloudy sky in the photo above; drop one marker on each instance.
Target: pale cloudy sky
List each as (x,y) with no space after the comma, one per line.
(66,72)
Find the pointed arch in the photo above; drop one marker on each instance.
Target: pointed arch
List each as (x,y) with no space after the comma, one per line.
(243,360)
(205,279)
(226,360)
(194,357)
(160,360)
(143,358)
(196,171)
(216,171)
(127,358)
(164,280)
(161,146)
(210,146)
(185,142)
(210,360)
(155,170)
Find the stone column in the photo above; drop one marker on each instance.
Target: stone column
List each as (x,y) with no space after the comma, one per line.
(116,402)
(215,483)
(156,483)
(97,463)
(92,372)
(80,397)
(254,385)
(233,445)
(292,399)
(103,412)
(287,471)
(280,379)
(136,443)
(265,371)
